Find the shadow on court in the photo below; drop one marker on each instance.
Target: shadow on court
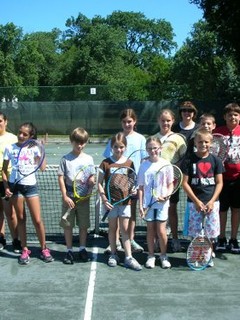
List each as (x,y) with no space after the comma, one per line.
(58,291)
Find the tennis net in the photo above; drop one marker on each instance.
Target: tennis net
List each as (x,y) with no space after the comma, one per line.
(51,207)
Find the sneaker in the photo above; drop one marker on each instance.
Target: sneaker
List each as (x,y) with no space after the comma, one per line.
(2,242)
(150,263)
(176,245)
(233,245)
(119,246)
(17,248)
(83,255)
(69,258)
(132,263)
(46,255)
(221,244)
(113,260)
(164,261)
(136,247)
(211,263)
(24,257)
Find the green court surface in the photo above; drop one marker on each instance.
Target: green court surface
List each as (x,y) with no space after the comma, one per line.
(95,291)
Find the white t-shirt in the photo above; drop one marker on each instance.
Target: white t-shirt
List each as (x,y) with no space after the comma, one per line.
(5,139)
(146,177)
(70,165)
(25,163)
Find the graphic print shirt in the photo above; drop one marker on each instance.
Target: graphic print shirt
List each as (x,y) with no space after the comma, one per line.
(201,174)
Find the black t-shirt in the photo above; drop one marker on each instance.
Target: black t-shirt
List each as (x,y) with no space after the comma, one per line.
(187,133)
(201,174)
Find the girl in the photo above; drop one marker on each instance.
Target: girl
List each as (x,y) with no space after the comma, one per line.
(166,120)
(155,225)
(6,206)
(135,141)
(25,190)
(121,211)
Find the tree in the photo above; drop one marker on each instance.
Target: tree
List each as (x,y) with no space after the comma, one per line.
(202,70)
(223,18)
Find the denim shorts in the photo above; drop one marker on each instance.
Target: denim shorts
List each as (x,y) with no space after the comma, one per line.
(26,191)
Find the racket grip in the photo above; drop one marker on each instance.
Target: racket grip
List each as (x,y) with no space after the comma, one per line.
(66,214)
(105,215)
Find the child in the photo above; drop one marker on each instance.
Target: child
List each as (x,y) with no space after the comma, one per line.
(207,121)
(25,190)
(202,181)
(166,120)
(70,165)
(7,138)
(229,197)
(135,141)
(121,211)
(155,225)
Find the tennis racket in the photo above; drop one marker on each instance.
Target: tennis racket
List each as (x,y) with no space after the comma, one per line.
(29,159)
(160,189)
(174,148)
(84,186)
(219,146)
(199,252)
(139,154)
(120,186)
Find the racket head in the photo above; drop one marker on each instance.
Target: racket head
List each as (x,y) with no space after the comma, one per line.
(174,148)
(30,157)
(174,174)
(84,183)
(120,185)
(219,146)
(199,252)
(138,154)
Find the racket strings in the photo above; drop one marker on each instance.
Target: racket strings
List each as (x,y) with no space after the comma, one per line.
(121,185)
(30,157)
(219,147)
(85,182)
(199,252)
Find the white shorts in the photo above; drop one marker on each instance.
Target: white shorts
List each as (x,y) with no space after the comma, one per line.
(155,214)
(120,211)
(212,223)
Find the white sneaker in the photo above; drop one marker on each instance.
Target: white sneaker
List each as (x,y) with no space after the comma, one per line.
(113,260)
(132,263)
(176,245)
(211,263)
(150,263)
(164,261)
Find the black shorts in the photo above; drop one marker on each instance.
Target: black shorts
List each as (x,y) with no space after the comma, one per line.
(2,190)
(230,195)
(175,197)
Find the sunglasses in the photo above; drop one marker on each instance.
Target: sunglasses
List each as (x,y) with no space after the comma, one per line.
(187,110)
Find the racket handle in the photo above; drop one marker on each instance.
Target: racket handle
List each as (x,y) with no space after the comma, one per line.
(66,214)
(105,215)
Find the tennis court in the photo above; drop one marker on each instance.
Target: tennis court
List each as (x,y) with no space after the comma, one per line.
(94,291)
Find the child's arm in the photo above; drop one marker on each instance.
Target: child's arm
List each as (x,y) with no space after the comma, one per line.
(102,191)
(218,189)
(140,196)
(187,188)
(69,202)
(8,192)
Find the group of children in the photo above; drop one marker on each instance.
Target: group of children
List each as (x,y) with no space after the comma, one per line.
(212,187)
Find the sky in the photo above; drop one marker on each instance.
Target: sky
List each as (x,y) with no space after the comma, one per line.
(44,15)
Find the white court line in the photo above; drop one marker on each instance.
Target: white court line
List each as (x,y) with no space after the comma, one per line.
(91,286)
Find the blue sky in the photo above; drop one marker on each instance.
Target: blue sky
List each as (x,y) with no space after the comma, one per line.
(44,15)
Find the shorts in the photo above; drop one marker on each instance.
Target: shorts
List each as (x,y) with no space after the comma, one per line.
(26,191)
(230,195)
(211,222)
(175,197)
(157,214)
(2,190)
(120,211)
(80,215)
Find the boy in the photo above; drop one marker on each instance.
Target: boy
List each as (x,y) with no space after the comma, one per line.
(229,197)
(202,181)
(70,165)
